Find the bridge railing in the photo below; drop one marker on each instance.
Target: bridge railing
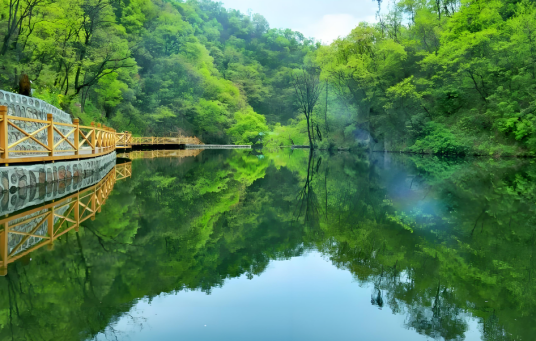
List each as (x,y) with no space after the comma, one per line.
(24,139)
(123,139)
(31,140)
(152,154)
(26,232)
(165,140)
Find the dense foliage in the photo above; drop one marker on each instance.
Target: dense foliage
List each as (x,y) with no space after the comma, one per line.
(441,76)
(153,67)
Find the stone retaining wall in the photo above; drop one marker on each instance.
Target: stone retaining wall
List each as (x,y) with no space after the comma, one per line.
(24,186)
(34,108)
(30,107)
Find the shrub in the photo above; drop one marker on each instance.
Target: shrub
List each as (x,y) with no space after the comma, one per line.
(438,140)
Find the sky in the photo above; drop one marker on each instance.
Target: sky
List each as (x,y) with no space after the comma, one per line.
(325,20)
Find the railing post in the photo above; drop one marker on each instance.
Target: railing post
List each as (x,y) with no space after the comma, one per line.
(76,122)
(77,212)
(94,204)
(4,236)
(104,136)
(99,139)
(4,142)
(50,222)
(50,131)
(93,139)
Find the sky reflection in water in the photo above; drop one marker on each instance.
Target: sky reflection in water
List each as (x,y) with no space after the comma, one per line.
(304,298)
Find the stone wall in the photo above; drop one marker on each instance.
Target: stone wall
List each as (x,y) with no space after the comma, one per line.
(24,186)
(34,108)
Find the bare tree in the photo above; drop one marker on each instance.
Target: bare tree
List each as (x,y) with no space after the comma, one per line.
(308,87)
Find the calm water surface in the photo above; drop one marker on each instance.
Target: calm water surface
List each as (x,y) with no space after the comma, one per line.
(243,245)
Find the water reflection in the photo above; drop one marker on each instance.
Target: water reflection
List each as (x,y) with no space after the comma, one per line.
(23,233)
(438,241)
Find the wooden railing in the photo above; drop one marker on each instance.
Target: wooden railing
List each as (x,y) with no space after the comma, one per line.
(26,232)
(165,140)
(151,154)
(51,141)
(123,140)
(32,140)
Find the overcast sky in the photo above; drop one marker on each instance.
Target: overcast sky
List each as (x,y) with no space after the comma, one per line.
(322,19)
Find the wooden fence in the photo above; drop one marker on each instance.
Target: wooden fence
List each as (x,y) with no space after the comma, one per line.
(31,140)
(26,232)
(51,141)
(152,154)
(123,140)
(165,140)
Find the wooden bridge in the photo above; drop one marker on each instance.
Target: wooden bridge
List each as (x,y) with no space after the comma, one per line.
(152,154)
(150,141)
(29,140)
(26,232)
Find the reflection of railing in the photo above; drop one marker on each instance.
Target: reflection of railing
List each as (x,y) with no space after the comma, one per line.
(123,171)
(165,140)
(26,232)
(151,154)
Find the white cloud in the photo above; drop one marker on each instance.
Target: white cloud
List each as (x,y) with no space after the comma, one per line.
(332,26)
(322,19)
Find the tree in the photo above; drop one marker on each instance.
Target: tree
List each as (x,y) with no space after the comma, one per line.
(307,88)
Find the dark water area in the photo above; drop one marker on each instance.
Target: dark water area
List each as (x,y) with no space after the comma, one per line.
(252,245)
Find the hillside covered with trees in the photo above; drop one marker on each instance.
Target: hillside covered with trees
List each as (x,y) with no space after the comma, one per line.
(441,76)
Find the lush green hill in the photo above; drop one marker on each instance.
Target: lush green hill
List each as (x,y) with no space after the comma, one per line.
(440,76)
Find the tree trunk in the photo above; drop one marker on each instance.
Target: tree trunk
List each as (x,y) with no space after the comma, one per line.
(326,112)
(309,131)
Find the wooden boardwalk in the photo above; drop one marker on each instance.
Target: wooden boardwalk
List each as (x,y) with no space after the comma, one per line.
(151,141)
(152,154)
(28,140)
(216,146)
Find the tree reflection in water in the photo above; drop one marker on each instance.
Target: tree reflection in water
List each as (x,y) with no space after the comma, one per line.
(438,240)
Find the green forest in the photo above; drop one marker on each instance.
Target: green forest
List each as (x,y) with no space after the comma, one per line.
(429,76)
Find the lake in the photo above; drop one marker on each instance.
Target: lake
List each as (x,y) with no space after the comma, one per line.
(286,245)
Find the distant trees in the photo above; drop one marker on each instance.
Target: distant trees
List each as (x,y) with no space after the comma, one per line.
(464,69)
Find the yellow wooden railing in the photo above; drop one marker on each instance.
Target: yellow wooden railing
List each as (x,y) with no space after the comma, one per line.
(63,141)
(165,140)
(34,140)
(59,217)
(151,154)
(123,140)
